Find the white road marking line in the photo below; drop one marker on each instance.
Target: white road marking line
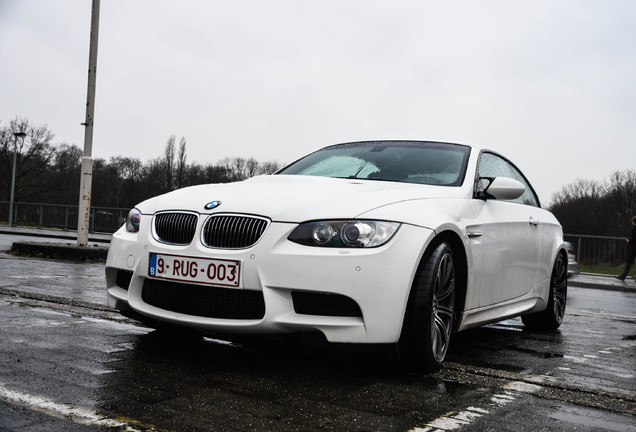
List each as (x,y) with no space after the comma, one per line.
(468,416)
(478,410)
(77,415)
(447,423)
(456,420)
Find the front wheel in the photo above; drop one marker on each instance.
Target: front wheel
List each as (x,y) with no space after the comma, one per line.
(552,317)
(429,319)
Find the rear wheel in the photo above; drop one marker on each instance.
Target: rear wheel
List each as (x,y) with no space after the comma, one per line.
(552,317)
(428,323)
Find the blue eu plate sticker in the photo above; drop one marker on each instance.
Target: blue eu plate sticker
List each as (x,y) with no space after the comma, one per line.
(152,264)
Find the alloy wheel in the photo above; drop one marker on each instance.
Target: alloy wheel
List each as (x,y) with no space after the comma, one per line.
(443,307)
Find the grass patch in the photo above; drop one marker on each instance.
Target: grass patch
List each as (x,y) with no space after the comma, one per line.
(610,271)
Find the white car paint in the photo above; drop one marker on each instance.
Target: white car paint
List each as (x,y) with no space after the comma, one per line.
(508,248)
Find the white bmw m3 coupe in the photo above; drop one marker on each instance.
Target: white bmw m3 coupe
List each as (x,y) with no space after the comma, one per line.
(400,243)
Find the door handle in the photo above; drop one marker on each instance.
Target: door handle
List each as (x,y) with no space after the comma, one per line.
(532,221)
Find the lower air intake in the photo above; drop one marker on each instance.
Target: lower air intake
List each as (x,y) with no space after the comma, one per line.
(204,301)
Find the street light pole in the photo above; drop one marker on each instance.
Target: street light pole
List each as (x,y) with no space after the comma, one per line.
(83,217)
(16,135)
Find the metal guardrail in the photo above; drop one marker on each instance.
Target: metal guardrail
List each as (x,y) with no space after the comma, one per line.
(599,254)
(64,217)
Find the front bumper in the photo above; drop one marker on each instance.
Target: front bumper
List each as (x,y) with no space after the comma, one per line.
(350,295)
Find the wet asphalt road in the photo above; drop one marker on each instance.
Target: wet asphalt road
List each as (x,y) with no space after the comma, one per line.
(69,363)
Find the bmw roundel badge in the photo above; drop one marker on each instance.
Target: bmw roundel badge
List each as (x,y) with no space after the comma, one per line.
(212,205)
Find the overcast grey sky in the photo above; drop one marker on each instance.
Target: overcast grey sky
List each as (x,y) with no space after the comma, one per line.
(551,84)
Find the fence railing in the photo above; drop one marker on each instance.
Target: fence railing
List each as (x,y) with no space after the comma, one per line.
(64,217)
(599,254)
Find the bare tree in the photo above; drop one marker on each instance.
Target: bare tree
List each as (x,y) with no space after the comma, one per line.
(65,171)
(269,167)
(234,167)
(181,164)
(169,166)
(250,168)
(596,208)
(33,156)
(50,174)
(219,173)
(622,192)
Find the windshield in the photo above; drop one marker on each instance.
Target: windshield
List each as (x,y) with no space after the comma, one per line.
(401,161)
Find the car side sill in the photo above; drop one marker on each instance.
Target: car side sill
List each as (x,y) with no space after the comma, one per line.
(490,314)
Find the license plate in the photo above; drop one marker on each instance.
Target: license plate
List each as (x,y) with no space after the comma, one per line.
(207,271)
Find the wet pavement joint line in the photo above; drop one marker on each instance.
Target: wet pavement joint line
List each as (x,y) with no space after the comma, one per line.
(55,300)
(77,415)
(57,304)
(600,314)
(542,383)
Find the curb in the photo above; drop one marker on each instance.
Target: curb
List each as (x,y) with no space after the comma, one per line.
(607,285)
(624,288)
(59,251)
(62,235)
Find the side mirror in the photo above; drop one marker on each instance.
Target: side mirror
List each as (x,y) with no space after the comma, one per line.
(502,188)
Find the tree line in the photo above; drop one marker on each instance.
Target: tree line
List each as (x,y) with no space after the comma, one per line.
(603,208)
(49,173)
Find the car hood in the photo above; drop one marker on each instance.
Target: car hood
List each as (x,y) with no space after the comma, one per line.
(296,198)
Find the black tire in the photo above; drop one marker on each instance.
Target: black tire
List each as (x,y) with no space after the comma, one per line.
(429,319)
(552,317)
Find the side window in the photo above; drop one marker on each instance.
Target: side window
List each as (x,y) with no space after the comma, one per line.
(492,165)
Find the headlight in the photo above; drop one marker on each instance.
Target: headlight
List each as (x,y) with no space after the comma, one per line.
(133,219)
(344,234)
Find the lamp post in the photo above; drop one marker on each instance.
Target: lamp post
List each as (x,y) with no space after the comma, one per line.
(16,135)
(86,180)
